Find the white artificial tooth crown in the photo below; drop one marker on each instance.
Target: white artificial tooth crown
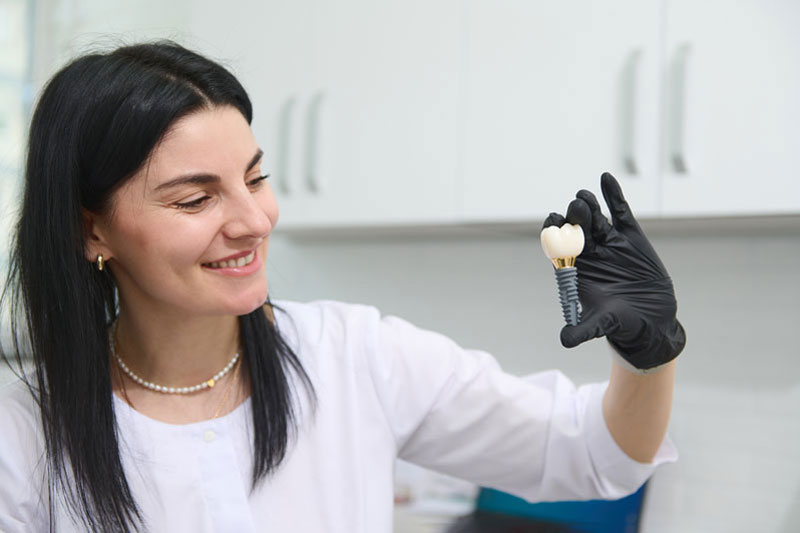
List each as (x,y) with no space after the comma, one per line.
(566,241)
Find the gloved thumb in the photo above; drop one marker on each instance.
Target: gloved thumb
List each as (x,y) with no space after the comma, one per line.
(590,327)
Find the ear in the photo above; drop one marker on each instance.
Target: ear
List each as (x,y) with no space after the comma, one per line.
(94,236)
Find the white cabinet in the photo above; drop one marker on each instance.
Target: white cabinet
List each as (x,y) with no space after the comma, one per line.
(270,47)
(557,93)
(701,96)
(355,101)
(732,120)
(67,28)
(359,101)
(377,113)
(388,81)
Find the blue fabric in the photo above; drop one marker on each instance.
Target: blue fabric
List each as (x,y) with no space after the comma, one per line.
(593,516)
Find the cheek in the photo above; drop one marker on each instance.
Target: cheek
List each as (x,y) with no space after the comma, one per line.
(154,245)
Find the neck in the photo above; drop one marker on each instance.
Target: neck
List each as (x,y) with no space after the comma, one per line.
(174,349)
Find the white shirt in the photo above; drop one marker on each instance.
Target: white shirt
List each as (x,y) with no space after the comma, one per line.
(386,389)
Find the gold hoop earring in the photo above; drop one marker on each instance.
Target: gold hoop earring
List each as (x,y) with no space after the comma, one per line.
(99,262)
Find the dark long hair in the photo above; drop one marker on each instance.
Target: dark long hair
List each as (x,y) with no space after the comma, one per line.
(95,125)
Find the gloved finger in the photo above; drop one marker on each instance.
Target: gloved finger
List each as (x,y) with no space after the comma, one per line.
(554,219)
(590,327)
(579,213)
(621,214)
(600,225)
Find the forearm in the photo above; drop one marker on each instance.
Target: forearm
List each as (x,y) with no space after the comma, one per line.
(636,409)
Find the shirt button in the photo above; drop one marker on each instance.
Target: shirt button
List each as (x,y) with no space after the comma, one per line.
(209,435)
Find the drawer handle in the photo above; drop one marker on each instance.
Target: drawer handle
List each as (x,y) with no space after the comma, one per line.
(283,152)
(679,106)
(630,105)
(313,139)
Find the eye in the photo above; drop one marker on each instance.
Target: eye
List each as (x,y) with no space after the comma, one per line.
(193,204)
(255,183)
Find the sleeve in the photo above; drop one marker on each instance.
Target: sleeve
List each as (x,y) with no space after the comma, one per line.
(455,411)
(21,465)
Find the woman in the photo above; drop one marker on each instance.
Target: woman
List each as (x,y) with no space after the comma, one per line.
(170,394)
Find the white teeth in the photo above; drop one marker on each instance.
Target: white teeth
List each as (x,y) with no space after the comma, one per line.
(234,263)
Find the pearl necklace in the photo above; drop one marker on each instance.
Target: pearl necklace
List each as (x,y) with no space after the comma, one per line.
(207,384)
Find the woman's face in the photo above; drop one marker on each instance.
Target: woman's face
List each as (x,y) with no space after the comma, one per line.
(190,231)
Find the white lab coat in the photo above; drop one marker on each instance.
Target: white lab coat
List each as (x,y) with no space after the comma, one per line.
(386,389)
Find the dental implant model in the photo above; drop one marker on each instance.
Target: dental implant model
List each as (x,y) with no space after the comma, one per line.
(562,245)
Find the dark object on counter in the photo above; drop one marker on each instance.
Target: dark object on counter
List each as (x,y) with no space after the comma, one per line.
(499,512)
(485,522)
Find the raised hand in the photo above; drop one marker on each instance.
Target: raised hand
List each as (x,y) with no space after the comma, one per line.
(625,291)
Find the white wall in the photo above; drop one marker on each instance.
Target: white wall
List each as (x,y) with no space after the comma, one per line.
(735,418)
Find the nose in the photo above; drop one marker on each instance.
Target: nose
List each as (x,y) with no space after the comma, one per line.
(246,216)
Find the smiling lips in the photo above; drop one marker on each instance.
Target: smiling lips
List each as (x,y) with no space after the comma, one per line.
(239,262)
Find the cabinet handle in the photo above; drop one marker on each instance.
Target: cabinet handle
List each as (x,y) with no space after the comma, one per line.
(630,104)
(285,121)
(678,104)
(313,137)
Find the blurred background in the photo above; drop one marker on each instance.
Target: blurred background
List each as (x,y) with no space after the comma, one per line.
(416,146)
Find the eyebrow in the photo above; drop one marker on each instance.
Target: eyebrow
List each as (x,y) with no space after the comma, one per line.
(202,179)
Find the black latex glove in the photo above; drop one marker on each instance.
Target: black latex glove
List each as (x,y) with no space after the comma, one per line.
(624,289)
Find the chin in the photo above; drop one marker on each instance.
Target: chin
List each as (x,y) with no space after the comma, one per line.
(248,303)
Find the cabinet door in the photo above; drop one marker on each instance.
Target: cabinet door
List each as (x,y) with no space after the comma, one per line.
(270,47)
(66,29)
(380,120)
(555,94)
(732,128)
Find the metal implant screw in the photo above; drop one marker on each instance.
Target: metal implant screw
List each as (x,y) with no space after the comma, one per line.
(567,279)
